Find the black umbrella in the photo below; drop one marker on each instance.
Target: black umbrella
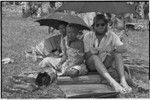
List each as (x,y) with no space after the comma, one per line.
(108,7)
(52,20)
(55,19)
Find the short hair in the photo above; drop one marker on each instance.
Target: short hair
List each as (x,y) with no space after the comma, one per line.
(99,17)
(74,26)
(64,26)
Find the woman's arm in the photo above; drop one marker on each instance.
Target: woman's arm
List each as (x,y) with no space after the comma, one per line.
(64,57)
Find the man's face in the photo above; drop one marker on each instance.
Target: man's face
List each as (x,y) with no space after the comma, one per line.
(100,26)
(62,29)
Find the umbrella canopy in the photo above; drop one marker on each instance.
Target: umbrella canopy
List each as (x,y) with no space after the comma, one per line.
(109,7)
(55,19)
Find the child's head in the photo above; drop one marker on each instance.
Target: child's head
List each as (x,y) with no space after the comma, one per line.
(72,31)
(62,29)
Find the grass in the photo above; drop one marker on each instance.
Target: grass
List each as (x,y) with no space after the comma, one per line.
(19,34)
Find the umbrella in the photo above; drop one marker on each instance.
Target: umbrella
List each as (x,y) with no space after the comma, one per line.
(55,19)
(109,7)
(52,20)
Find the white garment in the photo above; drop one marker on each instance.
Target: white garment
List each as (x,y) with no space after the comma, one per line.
(108,43)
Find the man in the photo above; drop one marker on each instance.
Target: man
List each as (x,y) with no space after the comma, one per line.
(102,48)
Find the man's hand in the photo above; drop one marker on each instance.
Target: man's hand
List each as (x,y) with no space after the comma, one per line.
(94,51)
(101,50)
(120,49)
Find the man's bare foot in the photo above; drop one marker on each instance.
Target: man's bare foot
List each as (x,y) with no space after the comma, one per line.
(126,86)
(119,88)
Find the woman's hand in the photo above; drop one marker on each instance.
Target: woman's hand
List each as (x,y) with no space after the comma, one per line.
(58,67)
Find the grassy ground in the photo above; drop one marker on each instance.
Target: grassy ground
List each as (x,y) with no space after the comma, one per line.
(19,34)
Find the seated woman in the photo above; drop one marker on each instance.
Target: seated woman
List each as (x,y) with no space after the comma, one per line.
(72,61)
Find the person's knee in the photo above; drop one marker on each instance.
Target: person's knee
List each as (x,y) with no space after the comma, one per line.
(91,60)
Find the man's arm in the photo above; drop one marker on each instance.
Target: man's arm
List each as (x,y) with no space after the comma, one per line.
(64,57)
(120,49)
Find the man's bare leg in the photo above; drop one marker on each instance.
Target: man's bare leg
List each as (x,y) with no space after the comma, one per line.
(120,68)
(103,71)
